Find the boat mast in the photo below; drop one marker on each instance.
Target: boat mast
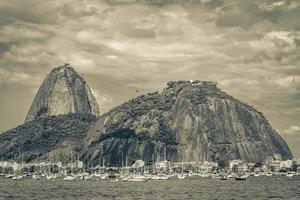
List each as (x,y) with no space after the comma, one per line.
(122,164)
(71,161)
(99,164)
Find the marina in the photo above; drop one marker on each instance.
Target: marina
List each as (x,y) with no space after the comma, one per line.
(140,172)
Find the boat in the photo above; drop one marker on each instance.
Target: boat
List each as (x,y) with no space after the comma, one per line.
(103,177)
(283,174)
(138,178)
(241,177)
(125,179)
(18,177)
(112,176)
(231,176)
(256,174)
(87,177)
(50,177)
(290,174)
(215,174)
(181,176)
(269,174)
(9,176)
(204,175)
(160,177)
(69,178)
(36,177)
(223,177)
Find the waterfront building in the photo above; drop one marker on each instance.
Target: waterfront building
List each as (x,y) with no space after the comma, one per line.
(76,164)
(138,164)
(238,166)
(207,167)
(162,166)
(286,164)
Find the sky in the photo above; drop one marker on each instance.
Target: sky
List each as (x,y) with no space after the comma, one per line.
(124,48)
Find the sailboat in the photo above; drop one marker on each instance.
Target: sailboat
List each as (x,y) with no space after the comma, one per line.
(36,170)
(70,177)
(103,176)
(138,178)
(36,177)
(241,177)
(181,175)
(50,175)
(19,176)
(290,174)
(223,175)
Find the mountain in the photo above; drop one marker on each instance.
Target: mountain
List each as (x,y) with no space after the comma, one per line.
(62,92)
(190,121)
(54,136)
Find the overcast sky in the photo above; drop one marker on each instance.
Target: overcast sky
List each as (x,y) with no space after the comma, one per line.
(251,48)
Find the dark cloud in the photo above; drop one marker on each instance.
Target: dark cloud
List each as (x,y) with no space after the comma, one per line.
(241,13)
(140,33)
(28,11)
(4,47)
(77,9)
(284,14)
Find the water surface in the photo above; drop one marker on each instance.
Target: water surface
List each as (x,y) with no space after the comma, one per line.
(191,188)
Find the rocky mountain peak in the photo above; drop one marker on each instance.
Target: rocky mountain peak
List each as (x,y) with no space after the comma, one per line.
(172,84)
(64,67)
(63,91)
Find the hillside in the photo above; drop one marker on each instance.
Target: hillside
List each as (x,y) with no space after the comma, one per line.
(54,137)
(193,121)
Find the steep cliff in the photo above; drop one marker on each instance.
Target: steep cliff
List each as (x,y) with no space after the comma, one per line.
(62,92)
(56,136)
(191,121)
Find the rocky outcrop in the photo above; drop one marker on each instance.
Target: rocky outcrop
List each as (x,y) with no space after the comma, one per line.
(191,121)
(62,92)
(54,137)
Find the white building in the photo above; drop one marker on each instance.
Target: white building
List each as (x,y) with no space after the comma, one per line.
(238,166)
(286,164)
(163,165)
(207,167)
(138,164)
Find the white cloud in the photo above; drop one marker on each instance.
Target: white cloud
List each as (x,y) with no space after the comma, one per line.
(271,6)
(104,101)
(112,56)
(286,82)
(294,129)
(286,36)
(10,78)
(119,46)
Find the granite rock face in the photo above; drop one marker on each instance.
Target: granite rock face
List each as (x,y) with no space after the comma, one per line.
(62,92)
(190,121)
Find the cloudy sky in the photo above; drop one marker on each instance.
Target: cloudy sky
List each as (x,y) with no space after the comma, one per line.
(251,48)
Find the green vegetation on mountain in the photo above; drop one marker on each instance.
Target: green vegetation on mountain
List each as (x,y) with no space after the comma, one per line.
(53,137)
